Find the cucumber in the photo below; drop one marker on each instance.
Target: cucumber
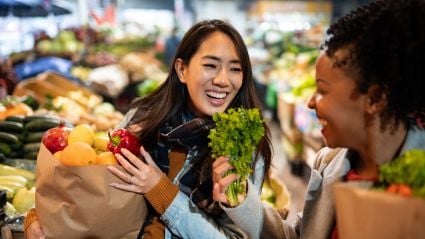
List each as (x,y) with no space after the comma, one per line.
(9,138)
(32,147)
(15,118)
(5,149)
(38,125)
(31,155)
(41,125)
(11,127)
(28,119)
(16,154)
(34,137)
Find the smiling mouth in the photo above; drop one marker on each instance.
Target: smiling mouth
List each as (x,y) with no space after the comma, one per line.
(216,95)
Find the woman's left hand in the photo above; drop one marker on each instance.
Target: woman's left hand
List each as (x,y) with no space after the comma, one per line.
(140,177)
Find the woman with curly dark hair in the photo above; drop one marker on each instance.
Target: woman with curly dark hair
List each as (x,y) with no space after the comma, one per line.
(369,100)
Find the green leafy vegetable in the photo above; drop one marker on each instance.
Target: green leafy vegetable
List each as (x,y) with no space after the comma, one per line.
(236,135)
(409,169)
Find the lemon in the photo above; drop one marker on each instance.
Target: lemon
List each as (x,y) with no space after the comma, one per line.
(82,133)
(101,143)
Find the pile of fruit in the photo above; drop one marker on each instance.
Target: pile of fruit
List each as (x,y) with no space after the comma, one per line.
(80,146)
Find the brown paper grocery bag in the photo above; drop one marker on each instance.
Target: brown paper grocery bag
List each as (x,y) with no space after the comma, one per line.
(76,202)
(368,213)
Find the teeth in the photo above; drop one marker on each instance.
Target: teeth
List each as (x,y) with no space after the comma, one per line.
(323,122)
(216,95)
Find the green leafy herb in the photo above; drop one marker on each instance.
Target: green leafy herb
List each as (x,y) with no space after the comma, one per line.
(236,135)
(409,169)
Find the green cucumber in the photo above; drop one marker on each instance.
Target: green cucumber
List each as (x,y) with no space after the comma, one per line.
(5,149)
(9,138)
(38,125)
(31,155)
(11,127)
(28,119)
(15,118)
(32,147)
(34,137)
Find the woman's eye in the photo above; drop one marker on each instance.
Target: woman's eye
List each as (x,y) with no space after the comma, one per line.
(210,66)
(237,69)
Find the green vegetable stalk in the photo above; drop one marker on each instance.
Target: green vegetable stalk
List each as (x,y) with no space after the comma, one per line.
(236,135)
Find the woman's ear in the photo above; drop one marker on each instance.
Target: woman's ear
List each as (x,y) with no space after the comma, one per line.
(377,100)
(180,67)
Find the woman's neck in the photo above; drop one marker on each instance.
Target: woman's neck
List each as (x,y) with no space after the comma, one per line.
(381,147)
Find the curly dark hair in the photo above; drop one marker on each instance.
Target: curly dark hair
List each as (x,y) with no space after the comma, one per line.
(386,43)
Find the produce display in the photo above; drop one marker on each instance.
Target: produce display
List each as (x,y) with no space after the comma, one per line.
(19,187)
(20,137)
(236,135)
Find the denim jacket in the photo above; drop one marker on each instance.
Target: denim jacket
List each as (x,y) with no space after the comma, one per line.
(185,220)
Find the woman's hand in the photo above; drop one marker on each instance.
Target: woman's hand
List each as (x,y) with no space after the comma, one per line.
(220,166)
(140,177)
(34,231)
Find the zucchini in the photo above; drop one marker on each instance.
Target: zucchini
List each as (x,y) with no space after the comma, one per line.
(8,170)
(15,118)
(32,147)
(14,178)
(34,137)
(11,127)
(5,149)
(12,185)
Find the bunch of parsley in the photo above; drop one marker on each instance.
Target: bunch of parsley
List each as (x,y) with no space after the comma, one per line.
(236,135)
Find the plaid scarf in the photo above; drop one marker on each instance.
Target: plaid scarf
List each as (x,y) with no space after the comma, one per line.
(190,134)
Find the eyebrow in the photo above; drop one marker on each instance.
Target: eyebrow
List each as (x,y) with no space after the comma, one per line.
(218,59)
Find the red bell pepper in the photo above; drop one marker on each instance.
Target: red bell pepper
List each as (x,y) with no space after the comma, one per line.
(122,138)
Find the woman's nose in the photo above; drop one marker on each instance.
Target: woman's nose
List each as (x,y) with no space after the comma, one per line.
(222,78)
(311,103)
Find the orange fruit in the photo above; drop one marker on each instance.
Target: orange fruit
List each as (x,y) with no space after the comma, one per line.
(82,133)
(78,154)
(106,158)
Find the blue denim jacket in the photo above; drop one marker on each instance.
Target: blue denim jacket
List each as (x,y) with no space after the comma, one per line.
(185,220)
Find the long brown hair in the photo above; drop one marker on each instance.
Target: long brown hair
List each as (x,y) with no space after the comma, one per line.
(171,98)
